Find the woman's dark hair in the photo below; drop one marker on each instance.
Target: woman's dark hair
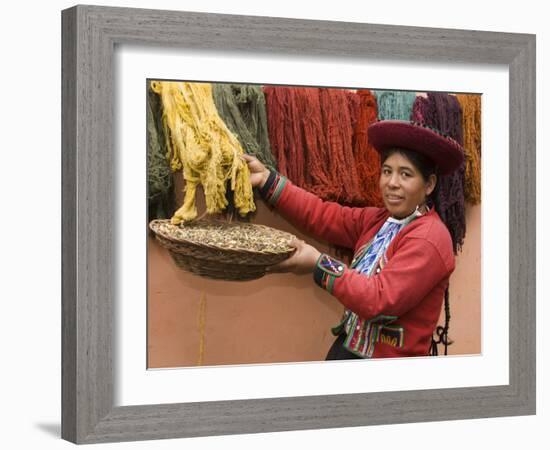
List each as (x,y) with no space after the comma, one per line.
(427,167)
(422,163)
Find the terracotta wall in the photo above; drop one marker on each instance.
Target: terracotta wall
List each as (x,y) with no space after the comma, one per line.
(278,318)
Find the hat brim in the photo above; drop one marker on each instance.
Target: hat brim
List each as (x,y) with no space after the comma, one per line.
(446,153)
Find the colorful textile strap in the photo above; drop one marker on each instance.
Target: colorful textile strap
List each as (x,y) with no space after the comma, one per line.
(327,270)
(273,187)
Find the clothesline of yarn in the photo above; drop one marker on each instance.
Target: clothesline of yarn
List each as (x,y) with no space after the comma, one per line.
(204,149)
(316,136)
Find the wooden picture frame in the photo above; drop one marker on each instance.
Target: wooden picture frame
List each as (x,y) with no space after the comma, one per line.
(90,34)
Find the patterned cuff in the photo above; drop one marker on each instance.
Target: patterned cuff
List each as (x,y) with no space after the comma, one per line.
(327,270)
(273,187)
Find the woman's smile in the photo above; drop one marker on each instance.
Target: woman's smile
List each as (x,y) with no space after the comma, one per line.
(394,199)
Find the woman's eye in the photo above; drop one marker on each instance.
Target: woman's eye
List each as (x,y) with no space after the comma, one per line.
(405,174)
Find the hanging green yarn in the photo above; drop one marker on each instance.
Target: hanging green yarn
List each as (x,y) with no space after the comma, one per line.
(161,199)
(242,108)
(394,105)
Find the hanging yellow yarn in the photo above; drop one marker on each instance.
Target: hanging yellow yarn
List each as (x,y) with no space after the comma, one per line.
(471,124)
(201,145)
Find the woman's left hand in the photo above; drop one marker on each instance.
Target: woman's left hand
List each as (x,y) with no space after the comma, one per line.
(301,262)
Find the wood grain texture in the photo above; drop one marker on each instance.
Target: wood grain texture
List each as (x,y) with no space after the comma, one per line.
(89,270)
(68,226)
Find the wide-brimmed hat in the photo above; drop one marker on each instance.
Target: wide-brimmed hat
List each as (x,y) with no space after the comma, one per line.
(446,153)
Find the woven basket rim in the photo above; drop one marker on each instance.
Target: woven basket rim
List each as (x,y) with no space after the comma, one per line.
(155,222)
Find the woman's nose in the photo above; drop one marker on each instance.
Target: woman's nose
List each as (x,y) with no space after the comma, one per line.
(393,181)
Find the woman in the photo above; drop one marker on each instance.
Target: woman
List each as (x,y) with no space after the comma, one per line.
(403,257)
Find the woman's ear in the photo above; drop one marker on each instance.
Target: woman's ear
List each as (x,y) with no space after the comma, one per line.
(430,184)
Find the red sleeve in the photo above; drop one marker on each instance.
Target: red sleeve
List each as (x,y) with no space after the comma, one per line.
(407,278)
(328,221)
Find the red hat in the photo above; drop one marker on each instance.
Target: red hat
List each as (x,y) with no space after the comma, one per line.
(445,152)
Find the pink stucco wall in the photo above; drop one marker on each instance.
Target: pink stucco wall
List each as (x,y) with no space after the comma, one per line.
(278,318)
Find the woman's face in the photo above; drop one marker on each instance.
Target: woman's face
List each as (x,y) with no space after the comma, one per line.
(402,186)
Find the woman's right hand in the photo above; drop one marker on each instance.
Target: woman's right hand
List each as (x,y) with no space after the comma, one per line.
(258,172)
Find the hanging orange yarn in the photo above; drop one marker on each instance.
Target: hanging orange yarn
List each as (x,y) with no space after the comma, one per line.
(337,125)
(366,157)
(471,123)
(315,150)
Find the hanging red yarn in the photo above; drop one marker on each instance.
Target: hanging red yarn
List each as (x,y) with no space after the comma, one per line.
(354,104)
(276,100)
(366,157)
(311,136)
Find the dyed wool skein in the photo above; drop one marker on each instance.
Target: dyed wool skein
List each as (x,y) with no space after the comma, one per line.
(159,176)
(204,149)
(284,135)
(366,157)
(297,138)
(443,112)
(395,105)
(316,152)
(471,124)
(311,135)
(242,108)
(339,133)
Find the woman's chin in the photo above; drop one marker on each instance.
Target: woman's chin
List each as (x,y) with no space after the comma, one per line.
(396,211)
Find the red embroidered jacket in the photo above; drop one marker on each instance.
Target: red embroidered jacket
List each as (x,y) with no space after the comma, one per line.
(411,285)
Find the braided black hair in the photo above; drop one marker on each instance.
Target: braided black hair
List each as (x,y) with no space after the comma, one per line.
(442,331)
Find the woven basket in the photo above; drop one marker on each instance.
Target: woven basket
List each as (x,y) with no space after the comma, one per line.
(209,259)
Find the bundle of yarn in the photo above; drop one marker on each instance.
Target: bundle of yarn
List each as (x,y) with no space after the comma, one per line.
(443,112)
(394,105)
(159,175)
(203,148)
(366,157)
(242,108)
(311,135)
(471,124)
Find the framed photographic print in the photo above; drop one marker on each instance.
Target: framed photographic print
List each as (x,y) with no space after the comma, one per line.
(152,351)
(219,322)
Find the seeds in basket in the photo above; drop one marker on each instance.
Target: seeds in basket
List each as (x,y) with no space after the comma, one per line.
(230,237)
